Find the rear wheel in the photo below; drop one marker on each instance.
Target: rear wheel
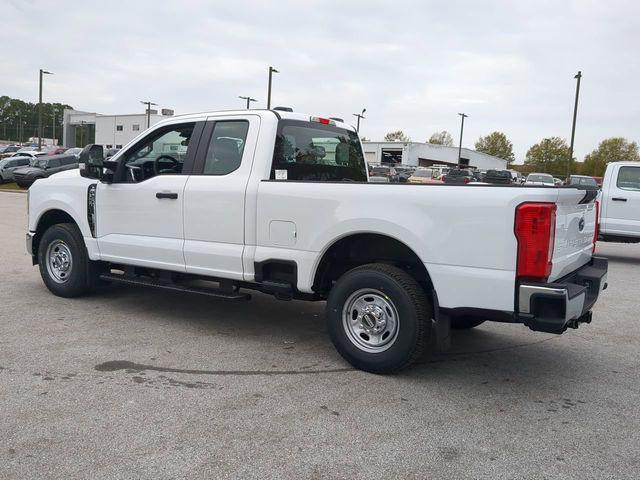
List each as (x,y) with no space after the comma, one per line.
(379,318)
(465,323)
(64,263)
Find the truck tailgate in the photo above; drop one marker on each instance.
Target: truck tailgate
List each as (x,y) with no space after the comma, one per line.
(575,232)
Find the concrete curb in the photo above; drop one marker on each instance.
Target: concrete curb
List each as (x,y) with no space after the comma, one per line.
(12,191)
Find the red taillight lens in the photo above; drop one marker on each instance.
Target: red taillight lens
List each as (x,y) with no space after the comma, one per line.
(466,180)
(597,229)
(535,230)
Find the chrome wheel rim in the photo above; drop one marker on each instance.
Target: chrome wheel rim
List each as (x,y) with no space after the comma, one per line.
(59,261)
(370,320)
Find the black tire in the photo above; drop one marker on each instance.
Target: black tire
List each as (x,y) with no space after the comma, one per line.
(465,323)
(404,294)
(82,274)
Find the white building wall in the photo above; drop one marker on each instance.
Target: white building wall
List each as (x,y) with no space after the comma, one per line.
(106,126)
(413,151)
(108,134)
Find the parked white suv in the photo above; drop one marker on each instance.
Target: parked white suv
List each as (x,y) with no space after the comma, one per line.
(279,202)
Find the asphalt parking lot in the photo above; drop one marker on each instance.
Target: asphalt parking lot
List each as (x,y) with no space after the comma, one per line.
(137,383)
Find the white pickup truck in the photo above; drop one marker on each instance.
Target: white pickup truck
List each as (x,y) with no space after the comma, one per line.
(224,202)
(620,203)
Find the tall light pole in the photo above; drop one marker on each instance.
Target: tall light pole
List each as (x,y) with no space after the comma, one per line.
(359,116)
(42,72)
(53,127)
(248,99)
(578,76)
(271,72)
(463,115)
(148,104)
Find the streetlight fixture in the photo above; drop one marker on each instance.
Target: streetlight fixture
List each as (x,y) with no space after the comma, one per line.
(359,116)
(248,99)
(148,104)
(463,115)
(42,72)
(578,76)
(271,72)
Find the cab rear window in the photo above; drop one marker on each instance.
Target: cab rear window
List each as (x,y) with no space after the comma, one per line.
(315,152)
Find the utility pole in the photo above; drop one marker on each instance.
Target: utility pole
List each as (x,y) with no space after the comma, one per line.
(271,72)
(42,72)
(578,76)
(248,99)
(359,116)
(82,134)
(463,115)
(148,104)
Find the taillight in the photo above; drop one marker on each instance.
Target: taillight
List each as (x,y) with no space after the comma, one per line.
(466,180)
(535,229)
(597,229)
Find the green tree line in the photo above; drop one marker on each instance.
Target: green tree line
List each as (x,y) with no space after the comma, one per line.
(19,119)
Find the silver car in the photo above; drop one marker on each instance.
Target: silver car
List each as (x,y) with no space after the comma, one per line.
(8,165)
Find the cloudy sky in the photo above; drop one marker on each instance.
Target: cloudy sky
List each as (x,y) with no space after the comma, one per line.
(413,65)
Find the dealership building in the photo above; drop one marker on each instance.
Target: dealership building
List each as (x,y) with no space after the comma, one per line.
(111,131)
(427,154)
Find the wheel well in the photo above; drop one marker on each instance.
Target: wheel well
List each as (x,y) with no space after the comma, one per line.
(360,249)
(49,218)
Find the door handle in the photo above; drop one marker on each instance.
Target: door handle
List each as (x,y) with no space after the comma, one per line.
(619,199)
(169,195)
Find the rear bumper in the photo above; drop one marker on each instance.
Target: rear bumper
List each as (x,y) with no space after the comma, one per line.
(554,307)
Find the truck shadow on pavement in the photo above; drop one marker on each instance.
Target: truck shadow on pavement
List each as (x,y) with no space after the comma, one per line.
(297,330)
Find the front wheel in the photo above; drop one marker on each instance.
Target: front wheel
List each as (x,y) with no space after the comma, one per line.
(64,263)
(379,318)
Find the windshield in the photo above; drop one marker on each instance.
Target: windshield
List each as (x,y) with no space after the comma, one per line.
(317,152)
(540,178)
(38,163)
(423,173)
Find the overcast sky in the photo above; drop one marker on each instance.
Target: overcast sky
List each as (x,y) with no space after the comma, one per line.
(414,65)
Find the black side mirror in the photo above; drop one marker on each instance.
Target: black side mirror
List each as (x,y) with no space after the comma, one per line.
(91,161)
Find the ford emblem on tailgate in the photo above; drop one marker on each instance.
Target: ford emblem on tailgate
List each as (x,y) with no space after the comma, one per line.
(581,224)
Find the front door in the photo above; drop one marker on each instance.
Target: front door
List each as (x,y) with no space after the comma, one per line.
(622,215)
(139,217)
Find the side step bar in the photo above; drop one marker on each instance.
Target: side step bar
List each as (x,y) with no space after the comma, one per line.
(232,294)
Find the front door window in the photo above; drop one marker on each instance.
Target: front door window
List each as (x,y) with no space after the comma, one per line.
(161,153)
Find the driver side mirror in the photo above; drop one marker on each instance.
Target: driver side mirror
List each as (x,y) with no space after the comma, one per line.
(91,161)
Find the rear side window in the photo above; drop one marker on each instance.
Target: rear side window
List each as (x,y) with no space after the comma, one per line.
(316,152)
(629,178)
(224,154)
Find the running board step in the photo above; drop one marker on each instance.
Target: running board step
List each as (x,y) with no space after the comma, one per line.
(210,292)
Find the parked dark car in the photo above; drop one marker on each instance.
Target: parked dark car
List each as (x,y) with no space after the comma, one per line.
(8,165)
(384,171)
(43,167)
(499,177)
(458,177)
(404,173)
(582,180)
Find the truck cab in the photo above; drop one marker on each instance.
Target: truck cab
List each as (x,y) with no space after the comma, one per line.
(620,203)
